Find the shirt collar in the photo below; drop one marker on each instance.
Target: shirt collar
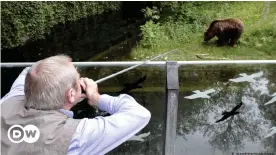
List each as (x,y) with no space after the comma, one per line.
(67,113)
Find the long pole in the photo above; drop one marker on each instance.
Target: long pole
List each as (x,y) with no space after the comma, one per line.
(132,67)
(152,63)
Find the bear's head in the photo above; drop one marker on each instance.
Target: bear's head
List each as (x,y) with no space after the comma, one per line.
(208,35)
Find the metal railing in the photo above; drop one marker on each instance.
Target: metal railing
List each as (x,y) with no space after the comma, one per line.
(172,87)
(151,63)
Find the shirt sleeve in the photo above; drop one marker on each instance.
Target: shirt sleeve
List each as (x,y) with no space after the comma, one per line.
(100,135)
(17,88)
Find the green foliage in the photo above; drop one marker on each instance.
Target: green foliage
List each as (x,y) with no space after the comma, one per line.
(21,21)
(153,13)
(153,34)
(263,37)
(260,37)
(182,24)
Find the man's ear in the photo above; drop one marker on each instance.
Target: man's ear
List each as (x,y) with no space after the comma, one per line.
(71,95)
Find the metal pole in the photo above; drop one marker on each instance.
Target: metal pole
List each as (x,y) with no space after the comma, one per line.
(172,90)
(132,67)
(221,62)
(152,63)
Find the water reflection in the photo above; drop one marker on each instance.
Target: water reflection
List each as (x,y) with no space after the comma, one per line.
(227,114)
(249,78)
(199,94)
(131,86)
(197,132)
(272,132)
(139,137)
(272,100)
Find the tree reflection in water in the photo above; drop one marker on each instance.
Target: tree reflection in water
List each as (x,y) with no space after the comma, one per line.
(236,133)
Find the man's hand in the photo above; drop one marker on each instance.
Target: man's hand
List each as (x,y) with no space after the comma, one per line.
(91,89)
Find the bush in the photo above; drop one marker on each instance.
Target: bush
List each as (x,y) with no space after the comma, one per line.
(177,21)
(21,21)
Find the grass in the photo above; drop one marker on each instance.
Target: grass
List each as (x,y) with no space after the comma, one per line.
(256,43)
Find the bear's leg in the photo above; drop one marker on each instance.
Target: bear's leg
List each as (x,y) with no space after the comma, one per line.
(218,42)
(222,41)
(233,42)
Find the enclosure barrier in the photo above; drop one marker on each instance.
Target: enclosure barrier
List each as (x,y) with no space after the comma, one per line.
(172,87)
(151,63)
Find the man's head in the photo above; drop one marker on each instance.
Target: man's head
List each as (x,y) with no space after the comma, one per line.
(52,83)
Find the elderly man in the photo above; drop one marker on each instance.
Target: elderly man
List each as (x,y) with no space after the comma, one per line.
(43,96)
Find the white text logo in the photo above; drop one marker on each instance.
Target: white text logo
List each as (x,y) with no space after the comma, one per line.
(29,134)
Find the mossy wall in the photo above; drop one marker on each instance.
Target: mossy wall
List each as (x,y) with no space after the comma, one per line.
(22,21)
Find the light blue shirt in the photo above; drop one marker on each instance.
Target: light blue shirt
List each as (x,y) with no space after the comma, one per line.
(99,135)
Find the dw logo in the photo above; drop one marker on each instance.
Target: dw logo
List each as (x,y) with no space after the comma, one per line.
(29,134)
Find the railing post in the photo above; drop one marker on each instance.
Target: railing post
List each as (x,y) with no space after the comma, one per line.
(172,90)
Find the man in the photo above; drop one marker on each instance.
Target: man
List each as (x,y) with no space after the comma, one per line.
(43,96)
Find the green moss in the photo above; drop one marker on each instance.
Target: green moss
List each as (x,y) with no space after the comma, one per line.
(21,21)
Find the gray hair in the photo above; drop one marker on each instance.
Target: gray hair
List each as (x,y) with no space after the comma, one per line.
(48,81)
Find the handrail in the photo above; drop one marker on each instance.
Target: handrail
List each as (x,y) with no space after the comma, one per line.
(152,63)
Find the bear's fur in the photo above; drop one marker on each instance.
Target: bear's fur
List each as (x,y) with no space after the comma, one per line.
(227,30)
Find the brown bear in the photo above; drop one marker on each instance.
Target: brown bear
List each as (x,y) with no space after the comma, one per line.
(227,30)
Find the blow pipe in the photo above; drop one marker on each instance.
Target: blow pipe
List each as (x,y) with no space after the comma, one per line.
(132,67)
(127,69)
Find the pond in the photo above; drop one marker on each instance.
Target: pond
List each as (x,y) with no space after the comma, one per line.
(197,132)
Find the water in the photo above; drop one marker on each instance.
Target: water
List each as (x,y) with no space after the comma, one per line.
(197,132)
